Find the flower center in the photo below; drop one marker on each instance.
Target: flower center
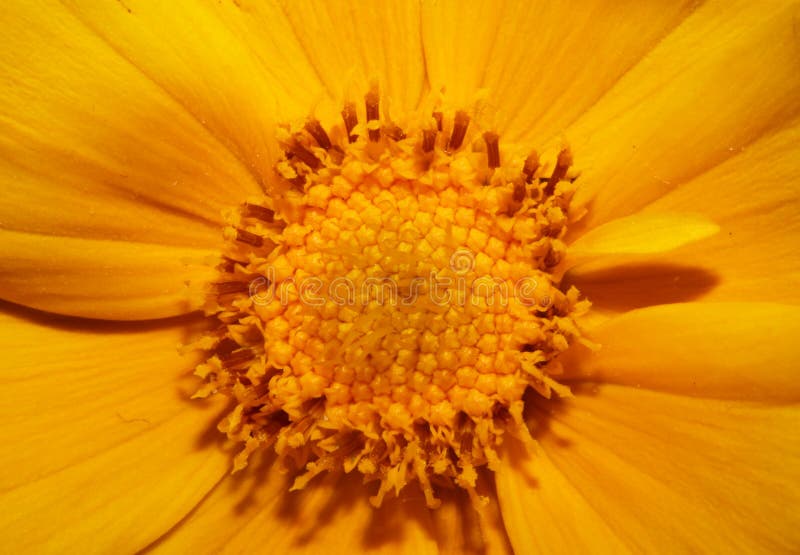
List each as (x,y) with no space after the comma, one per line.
(387,311)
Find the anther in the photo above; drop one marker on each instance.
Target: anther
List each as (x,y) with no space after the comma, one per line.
(228,265)
(316,130)
(350,120)
(236,357)
(372,102)
(563,163)
(259,212)
(530,167)
(306,156)
(428,140)
(337,154)
(394,132)
(439,117)
(492,149)
(230,287)
(519,191)
(460,124)
(248,238)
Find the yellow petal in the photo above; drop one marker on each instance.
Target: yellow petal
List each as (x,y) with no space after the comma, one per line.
(723,78)
(755,198)
(641,234)
(550,64)
(235,66)
(100,450)
(722,350)
(351,44)
(459,528)
(544,512)
(255,512)
(90,147)
(695,475)
(115,280)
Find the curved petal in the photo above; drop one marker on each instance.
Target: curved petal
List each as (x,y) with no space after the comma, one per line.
(255,511)
(237,67)
(642,234)
(542,63)
(115,280)
(90,147)
(100,450)
(351,44)
(720,350)
(755,198)
(693,474)
(544,512)
(460,528)
(722,79)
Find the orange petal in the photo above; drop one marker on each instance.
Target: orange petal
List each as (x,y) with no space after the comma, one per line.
(543,84)
(90,147)
(755,198)
(101,450)
(349,45)
(237,67)
(721,350)
(642,234)
(726,76)
(254,511)
(695,475)
(115,280)
(544,512)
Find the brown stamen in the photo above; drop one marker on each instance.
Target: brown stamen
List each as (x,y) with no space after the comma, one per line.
(372,102)
(562,165)
(350,120)
(316,130)
(492,149)
(394,132)
(230,287)
(519,191)
(460,124)
(530,167)
(259,212)
(428,140)
(336,154)
(249,238)
(306,156)
(439,117)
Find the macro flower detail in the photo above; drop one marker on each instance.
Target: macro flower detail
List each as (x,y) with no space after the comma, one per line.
(410,299)
(405,277)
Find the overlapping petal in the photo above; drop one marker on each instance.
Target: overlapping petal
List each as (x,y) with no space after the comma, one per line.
(101,449)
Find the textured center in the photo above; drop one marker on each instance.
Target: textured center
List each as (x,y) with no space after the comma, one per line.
(387,312)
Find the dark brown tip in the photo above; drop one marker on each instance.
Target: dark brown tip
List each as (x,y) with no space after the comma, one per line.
(350,120)
(519,191)
(316,130)
(492,149)
(259,212)
(428,140)
(372,102)
(439,117)
(230,287)
(306,156)
(248,238)
(394,132)
(336,154)
(563,163)
(530,167)
(460,125)
(236,358)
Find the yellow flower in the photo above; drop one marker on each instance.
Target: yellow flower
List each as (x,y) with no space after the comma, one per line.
(132,133)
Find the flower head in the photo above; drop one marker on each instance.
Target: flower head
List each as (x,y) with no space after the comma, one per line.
(456,278)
